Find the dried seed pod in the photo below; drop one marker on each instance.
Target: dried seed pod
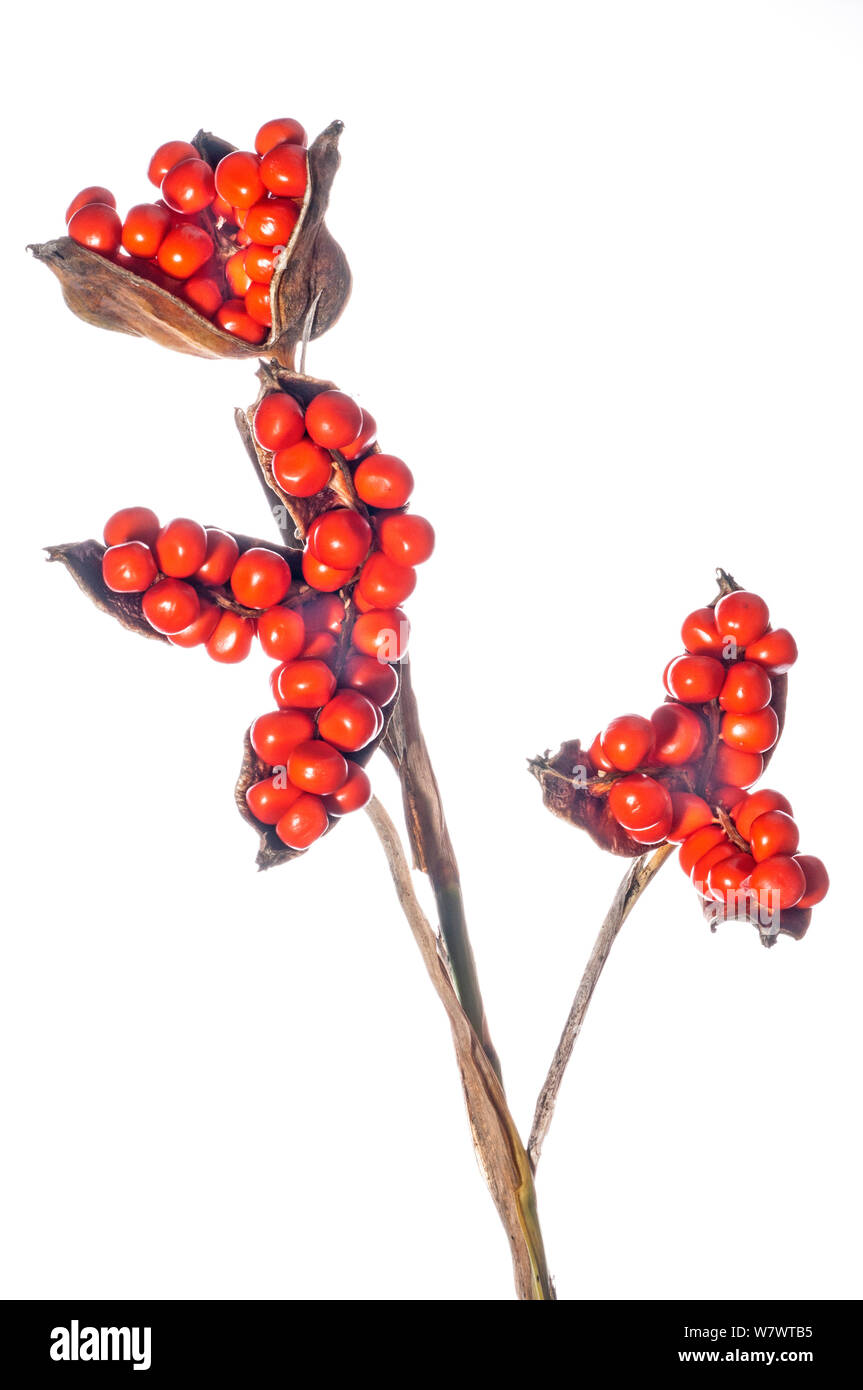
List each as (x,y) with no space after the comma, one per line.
(311,282)
(83,560)
(301,510)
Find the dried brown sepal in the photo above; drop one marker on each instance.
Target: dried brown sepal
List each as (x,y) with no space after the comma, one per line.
(563,791)
(313,267)
(792,921)
(301,510)
(83,560)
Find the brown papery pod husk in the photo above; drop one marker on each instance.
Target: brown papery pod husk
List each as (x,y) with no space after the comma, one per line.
(312,271)
(83,560)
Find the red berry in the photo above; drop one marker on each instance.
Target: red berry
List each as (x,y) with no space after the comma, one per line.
(232,318)
(304,823)
(405,539)
(324,614)
(131,524)
(259,263)
(97,227)
(689,813)
(366,436)
(773,832)
(181,547)
(269,799)
(129,568)
(231,640)
(376,679)
(778,883)
(184,251)
(189,185)
(742,616)
(274,736)
(203,293)
(260,578)
(282,633)
(340,538)
(315,766)
(220,558)
(384,584)
(726,797)
(238,179)
(727,874)
(349,721)
(202,629)
(333,419)
(747,689)
(775,651)
(698,844)
(323,646)
(303,684)
(638,802)
(597,759)
(382,480)
(353,795)
(144,229)
(235,274)
(170,605)
(678,735)
(694,679)
(383,633)
(281,131)
(257,302)
(652,834)
(702,867)
(302,469)
(166,156)
(700,634)
(279,422)
(285,170)
(736,767)
(94,194)
(754,733)
(324,577)
(271,221)
(755,804)
(627,743)
(817,880)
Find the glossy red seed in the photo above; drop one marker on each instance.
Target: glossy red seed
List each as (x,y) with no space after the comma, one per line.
(776,651)
(627,742)
(189,186)
(261,578)
(233,318)
(257,302)
(773,832)
(384,584)
(639,801)
(315,766)
(695,679)
(170,606)
(382,480)
(363,441)
(698,844)
(203,293)
(259,263)
(736,767)
(94,193)
(303,684)
(303,469)
(283,130)
(269,799)
(282,633)
(181,547)
(279,422)
(376,679)
(382,633)
(97,227)
(702,867)
(747,688)
(167,156)
(275,735)
(339,538)
(324,577)
(131,524)
(348,721)
(129,568)
(353,795)
(285,170)
(690,813)
(742,616)
(333,419)
(238,179)
(324,614)
(754,733)
(202,629)
(220,558)
(231,640)
(678,733)
(145,227)
(184,251)
(728,874)
(817,879)
(271,222)
(700,635)
(405,539)
(305,822)
(755,804)
(778,883)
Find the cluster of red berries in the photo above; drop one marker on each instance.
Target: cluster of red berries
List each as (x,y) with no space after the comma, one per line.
(687,769)
(335,649)
(182,242)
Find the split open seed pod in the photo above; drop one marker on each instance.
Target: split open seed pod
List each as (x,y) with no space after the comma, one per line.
(311,283)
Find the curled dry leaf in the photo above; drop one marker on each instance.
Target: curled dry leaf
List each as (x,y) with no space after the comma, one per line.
(312,270)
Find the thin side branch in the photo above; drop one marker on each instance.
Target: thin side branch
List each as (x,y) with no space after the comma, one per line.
(633,884)
(499,1149)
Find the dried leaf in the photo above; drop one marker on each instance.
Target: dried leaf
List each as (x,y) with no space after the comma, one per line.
(565,795)
(104,293)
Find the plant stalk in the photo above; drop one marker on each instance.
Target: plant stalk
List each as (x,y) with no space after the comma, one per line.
(633,884)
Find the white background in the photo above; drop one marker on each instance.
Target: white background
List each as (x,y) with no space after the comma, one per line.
(609,305)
